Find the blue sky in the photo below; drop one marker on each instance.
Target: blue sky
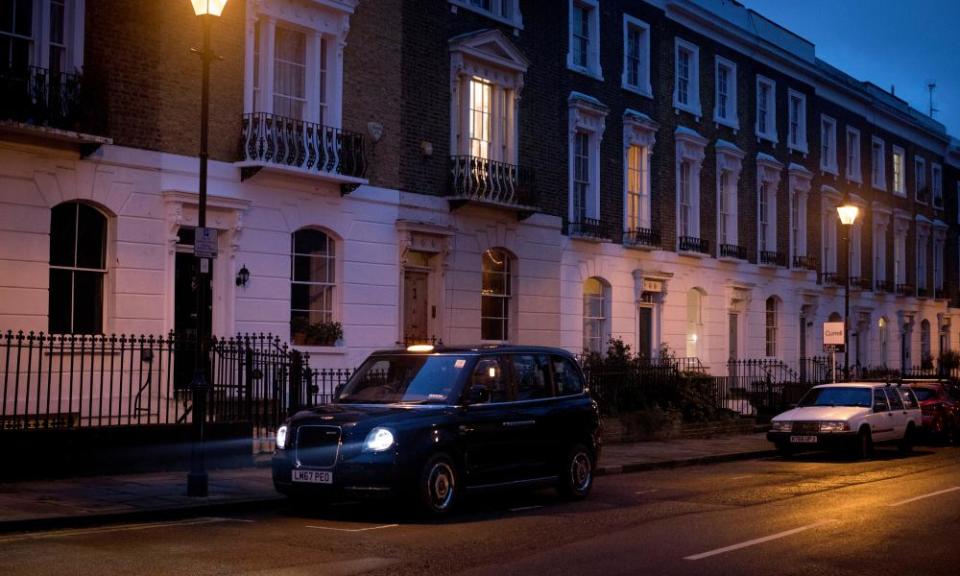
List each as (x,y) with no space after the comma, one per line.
(904,43)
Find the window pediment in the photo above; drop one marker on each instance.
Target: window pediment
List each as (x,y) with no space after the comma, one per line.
(586,113)
(639,129)
(489,54)
(800,178)
(729,157)
(690,144)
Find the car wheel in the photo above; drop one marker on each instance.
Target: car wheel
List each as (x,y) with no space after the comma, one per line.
(864,446)
(906,443)
(576,476)
(784,449)
(439,486)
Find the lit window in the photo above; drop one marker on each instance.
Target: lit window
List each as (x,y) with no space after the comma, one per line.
(638,190)
(596,323)
(899,172)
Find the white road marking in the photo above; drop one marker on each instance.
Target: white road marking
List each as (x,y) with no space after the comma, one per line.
(651,491)
(124,528)
(354,529)
(930,495)
(524,508)
(756,541)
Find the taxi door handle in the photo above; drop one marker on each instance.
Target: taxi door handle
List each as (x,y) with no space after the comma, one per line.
(519,423)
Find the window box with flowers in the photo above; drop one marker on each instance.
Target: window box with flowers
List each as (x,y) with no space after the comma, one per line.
(304,333)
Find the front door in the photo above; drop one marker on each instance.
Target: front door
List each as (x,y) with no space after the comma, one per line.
(185,315)
(645,334)
(734,337)
(415,306)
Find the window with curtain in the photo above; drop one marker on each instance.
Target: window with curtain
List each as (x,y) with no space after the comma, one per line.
(596,322)
(313,287)
(694,322)
(638,192)
(78,255)
(883,336)
(495,296)
(481,117)
(290,73)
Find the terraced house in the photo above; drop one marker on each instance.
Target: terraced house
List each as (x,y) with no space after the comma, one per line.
(664,171)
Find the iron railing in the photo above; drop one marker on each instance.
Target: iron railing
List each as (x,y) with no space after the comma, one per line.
(922,292)
(482,180)
(693,244)
(773,258)
(805,262)
(588,228)
(883,286)
(86,381)
(733,251)
(281,141)
(906,290)
(832,279)
(641,237)
(42,97)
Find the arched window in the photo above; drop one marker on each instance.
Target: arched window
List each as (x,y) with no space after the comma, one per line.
(313,288)
(773,310)
(596,315)
(78,256)
(882,333)
(694,322)
(926,359)
(496,294)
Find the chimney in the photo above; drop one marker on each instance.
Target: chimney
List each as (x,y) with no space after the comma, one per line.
(893,89)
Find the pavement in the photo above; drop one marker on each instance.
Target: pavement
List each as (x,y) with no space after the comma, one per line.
(94,500)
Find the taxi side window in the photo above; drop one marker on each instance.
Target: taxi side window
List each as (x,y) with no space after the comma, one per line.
(566,376)
(909,398)
(489,374)
(894,396)
(531,373)
(880,401)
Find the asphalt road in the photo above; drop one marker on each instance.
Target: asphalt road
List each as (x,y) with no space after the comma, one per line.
(815,514)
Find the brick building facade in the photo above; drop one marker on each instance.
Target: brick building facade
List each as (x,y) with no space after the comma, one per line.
(558,173)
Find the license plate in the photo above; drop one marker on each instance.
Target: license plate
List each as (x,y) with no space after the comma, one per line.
(313,476)
(803,439)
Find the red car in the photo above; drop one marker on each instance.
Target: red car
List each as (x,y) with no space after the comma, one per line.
(940,405)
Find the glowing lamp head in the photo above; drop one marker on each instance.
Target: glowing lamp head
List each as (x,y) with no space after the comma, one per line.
(208,7)
(848,214)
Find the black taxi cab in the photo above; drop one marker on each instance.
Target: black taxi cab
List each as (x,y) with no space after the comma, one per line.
(434,423)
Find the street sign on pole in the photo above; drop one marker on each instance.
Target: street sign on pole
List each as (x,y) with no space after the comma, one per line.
(205,243)
(833,337)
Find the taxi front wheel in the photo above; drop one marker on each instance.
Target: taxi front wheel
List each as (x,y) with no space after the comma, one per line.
(576,476)
(439,485)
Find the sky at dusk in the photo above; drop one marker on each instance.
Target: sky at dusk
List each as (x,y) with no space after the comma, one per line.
(904,43)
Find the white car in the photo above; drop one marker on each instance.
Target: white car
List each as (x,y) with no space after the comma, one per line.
(852,416)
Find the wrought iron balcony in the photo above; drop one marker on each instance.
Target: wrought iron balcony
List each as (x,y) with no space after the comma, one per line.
(589,228)
(906,290)
(41,97)
(860,283)
(939,293)
(271,140)
(832,279)
(692,244)
(733,251)
(773,258)
(642,237)
(805,262)
(474,179)
(922,292)
(883,286)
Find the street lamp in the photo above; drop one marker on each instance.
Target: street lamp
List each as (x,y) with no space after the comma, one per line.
(197,481)
(848,213)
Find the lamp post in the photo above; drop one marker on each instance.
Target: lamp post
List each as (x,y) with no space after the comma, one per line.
(197,481)
(848,213)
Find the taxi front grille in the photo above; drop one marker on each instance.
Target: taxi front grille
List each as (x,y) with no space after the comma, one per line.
(806,427)
(318,446)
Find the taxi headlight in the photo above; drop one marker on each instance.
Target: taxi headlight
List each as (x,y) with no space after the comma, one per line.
(837,426)
(782,426)
(378,440)
(282,437)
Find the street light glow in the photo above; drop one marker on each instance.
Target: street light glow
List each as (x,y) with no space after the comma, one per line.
(208,7)
(848,214)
